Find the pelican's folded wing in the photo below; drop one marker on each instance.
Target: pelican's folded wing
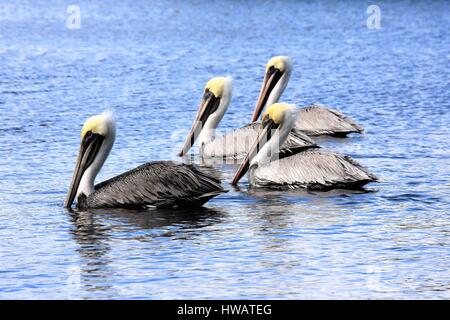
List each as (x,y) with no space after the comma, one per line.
(159,184)
(317,169)
(317,120)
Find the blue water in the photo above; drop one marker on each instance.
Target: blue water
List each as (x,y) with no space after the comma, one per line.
(149,62)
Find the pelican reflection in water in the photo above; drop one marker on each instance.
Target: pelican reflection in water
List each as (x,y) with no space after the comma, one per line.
(154,184)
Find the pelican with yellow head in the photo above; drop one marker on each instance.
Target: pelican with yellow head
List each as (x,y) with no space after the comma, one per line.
(154,184)
(313,120)
(310,167)
(215,101)
(236,143)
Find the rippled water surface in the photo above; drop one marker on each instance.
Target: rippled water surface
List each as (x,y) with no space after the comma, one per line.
(149,62)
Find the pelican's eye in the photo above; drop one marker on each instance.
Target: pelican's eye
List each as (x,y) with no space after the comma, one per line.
(265,119)
(88,136)
(272,70)
(207,94)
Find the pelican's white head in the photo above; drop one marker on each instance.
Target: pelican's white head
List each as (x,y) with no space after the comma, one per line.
(278,72)
(221,89)
(278,121)
(102,124)
(214,104)
(97,138)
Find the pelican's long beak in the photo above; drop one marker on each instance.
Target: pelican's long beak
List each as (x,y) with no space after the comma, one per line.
(90,145)
(263,137)
(270,81)
(208,105)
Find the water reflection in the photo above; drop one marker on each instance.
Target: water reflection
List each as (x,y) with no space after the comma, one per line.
(91,235)
(94,229)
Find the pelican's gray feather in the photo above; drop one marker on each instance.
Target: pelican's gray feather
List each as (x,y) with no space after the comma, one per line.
(316,169)
(159,184)
(317,120)
(236,144)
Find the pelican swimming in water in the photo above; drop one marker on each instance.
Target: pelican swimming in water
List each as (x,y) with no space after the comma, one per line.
(313,168)
(154,184)
(234,144)
(313,120)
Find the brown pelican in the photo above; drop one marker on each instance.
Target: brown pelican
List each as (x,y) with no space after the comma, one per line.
(154,184)
(312,168)
(235,144)
(313,120)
